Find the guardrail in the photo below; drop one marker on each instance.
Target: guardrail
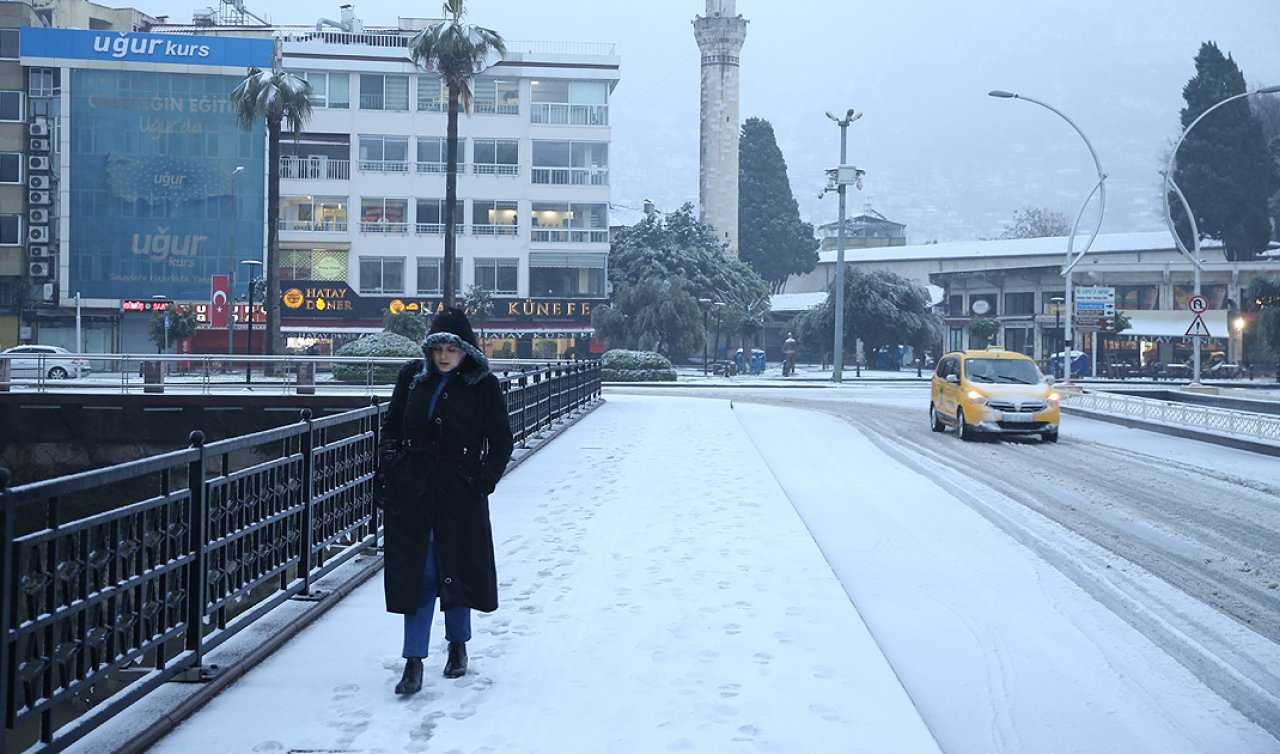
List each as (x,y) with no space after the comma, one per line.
(101,606)
(1207,418)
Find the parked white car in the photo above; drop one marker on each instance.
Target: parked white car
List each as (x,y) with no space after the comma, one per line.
(53,362)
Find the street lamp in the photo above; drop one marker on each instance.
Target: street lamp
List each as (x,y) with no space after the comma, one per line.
(1194,254)
(719,307)
(705,303)
(248,365)
(231,278)
(844,175)
(1057,302)
(1073,259)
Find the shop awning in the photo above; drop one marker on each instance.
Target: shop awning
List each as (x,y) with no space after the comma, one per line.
(1145,324)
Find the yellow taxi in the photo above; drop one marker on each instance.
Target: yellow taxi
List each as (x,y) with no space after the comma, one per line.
(993,391)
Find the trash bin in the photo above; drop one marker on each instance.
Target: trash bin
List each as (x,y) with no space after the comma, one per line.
(152,377)
(306,384)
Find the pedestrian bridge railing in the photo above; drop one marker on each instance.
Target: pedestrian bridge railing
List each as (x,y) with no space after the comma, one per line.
(1207,418)
(121,579)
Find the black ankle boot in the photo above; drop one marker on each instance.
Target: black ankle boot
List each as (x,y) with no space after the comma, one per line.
(456,666)
(411,681)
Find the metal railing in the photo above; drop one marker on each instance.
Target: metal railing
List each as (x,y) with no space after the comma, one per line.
(565,114)
(312,168)
(101,608)
(569,235)
(1207,418)
(571,176)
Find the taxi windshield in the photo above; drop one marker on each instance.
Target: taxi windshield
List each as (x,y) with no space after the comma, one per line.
(1015,371)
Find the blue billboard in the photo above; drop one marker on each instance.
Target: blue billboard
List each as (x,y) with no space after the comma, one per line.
(139,47)
(157,205)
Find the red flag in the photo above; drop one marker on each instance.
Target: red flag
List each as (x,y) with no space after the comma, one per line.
(218,317)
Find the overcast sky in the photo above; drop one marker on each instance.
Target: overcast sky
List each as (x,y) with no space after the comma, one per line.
(940,155)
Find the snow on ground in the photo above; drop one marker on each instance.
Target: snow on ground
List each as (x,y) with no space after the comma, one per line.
(682,575)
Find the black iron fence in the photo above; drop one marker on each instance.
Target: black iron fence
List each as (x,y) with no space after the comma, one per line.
(191,547)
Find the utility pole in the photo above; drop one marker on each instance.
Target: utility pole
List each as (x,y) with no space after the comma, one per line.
(840,178)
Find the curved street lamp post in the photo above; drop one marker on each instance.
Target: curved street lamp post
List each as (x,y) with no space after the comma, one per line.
(1072,258)
(1194,253)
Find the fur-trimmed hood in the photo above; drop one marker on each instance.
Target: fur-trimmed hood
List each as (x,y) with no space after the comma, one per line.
(474,367)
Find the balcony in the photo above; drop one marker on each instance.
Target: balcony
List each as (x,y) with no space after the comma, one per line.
(314,168)
(495,230)
(564,114)
(384,166)
(316,226)
(484,168)
(568,235)
(572,176)
(385,228)
(426,168)
(494,108)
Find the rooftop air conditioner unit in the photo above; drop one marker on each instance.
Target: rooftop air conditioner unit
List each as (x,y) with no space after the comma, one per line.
(38,234)
(36,162)
(38,216)
(42,182)
(39,145)
(39,197)
(39,269)
(38,251)
(39,129)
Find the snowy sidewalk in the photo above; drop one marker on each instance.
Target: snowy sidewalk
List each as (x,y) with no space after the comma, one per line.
(660,593)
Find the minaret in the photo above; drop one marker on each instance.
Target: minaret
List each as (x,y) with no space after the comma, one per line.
(720,35)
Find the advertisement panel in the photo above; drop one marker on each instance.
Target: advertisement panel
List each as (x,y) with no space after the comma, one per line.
(139,47)
(156,203)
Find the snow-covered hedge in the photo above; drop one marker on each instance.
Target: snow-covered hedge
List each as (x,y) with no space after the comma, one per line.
(635,366)
(384,345)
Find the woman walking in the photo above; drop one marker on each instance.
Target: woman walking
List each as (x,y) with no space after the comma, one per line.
(445,443)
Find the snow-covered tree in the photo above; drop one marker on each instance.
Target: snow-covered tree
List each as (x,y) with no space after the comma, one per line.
(1036,222)
(772,239)
(657,314)
(881,308)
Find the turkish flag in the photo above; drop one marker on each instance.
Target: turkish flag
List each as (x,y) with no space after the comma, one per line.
(219,310)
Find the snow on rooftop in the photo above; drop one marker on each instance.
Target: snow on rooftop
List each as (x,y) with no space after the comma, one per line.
(1105,243)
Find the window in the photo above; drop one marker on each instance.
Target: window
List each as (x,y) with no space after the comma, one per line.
(1019,303)
(11,106)
(955,306)
(565,222)
(381,215)
(431,217)
(433,154)
(578,103)
(430,273)
(313,264)
(490,217)
(381,275)
(384,92)
(1020,340)
(9,44)
(384,154)
(432,94)
(10,167)
(500,96)
(496,157)
(10,230)
(314,213)
(571,163)
(566,275)
(42,82)
(331,90)
(1137,297)
(498,276)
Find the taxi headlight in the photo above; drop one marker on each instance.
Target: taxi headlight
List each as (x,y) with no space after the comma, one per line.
(977,398)
(1054,397)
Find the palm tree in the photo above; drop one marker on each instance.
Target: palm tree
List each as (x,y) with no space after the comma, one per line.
(457,52)
(278,98)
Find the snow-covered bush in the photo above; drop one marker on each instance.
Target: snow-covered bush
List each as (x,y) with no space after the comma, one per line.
(381,345)
(619,365)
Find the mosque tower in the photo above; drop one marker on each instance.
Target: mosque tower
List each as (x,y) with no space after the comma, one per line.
(720,35)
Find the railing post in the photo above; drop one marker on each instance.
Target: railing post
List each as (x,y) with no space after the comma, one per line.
(377,461)
(308,486)
(197,577)
(8,595)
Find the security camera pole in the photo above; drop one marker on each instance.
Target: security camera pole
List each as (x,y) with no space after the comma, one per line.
(841,177)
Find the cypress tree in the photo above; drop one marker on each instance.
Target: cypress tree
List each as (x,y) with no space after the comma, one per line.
(772,239)
(1223,167)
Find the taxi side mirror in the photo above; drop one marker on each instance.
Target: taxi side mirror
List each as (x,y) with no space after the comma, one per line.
(953,379)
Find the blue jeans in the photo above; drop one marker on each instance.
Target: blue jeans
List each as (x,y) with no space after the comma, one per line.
(417,627)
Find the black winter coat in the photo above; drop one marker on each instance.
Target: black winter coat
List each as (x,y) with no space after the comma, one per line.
(440,473)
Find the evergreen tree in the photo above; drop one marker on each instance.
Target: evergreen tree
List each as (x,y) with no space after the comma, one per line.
(881,308)
(1036,222)
(657,314)
(771,237)
(1223,166)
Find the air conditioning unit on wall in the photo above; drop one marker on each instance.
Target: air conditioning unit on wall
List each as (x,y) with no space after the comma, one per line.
(39,197)
(38,251)
(39,145)
(36,162)
(39,269)
(38,216)
(38,234)
(39,182)
(39,129)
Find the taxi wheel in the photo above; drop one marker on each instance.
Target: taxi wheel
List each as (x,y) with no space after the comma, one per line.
(1049,436)
(934,422)
(962,429)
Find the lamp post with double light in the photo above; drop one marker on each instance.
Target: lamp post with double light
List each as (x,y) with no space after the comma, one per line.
(705,303)
(1194,253)
(842,177)
(1073,258)
(248,365)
